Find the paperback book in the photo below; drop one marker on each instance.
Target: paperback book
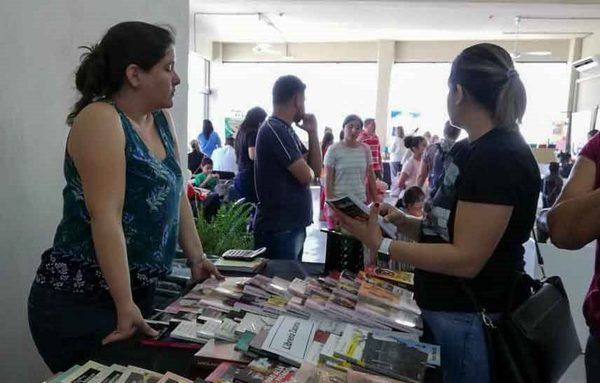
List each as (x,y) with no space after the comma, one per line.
(280,287)
(264,370)
(253,266)
(134,375)
(401,278)
(290,338)
(351,345)
(358,210)
(225,373)
(275,305)
(259,281)
(188,331)
(298,288)
(400,299)
(254,323)
(397,319)
(170,377)
(214,352)
(327,354)
(394,359)
(110,375)
(85,373)
(341,306)
(296,306)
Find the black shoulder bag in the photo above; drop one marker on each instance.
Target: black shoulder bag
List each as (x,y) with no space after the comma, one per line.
(536,341)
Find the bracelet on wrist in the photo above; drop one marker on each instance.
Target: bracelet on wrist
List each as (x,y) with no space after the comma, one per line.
(383,253)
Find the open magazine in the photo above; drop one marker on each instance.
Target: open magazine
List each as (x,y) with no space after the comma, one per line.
(356,209)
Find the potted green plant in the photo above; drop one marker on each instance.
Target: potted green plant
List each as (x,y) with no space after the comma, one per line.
(228,230)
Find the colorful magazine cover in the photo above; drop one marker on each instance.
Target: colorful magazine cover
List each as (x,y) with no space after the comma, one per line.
(264,370)
(397,277)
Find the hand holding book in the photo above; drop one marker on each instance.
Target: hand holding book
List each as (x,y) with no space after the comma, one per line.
(368,232)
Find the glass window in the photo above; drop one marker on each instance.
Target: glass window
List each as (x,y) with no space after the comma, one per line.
(198,94)
(333,90)
(418,98)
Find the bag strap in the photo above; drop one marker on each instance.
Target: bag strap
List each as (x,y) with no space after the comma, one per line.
(538,253)
(487,321)
(514,285)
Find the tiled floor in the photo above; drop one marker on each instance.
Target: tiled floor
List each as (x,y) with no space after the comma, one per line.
(314,251)
(314,247)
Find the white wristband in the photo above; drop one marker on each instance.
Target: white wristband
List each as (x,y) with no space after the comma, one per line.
(384,246)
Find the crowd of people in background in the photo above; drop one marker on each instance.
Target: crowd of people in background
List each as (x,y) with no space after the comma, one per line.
(438,188)
(354,165)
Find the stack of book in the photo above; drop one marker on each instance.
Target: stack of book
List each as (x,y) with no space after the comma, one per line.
(241,266)
(293,343)
(344,326)
(376,298)
(93,372)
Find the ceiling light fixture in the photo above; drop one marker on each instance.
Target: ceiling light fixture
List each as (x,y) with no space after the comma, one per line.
(515,54)
(540,53)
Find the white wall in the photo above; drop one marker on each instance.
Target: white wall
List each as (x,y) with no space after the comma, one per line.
(366,51)
(385,62)
(39,55)
(575,269)
(589,91)
(446,51)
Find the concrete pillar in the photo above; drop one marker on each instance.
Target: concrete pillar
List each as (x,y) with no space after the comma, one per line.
(574,55)
(385,61)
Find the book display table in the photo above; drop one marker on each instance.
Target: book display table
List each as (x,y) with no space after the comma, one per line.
(181,361)
(287,323)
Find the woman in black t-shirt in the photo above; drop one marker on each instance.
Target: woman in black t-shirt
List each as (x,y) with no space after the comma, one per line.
(473,229)
(245,141)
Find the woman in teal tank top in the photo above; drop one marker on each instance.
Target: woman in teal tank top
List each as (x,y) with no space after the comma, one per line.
(124,209)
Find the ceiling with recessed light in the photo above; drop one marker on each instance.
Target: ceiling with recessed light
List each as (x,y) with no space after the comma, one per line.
(351,20)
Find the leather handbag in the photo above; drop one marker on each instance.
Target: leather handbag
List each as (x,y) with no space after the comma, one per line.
(536,341)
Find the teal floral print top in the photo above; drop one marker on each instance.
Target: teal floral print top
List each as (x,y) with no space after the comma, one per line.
(150,219)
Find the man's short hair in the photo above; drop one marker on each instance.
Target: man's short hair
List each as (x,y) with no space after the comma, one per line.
(206,161)
(229,141)
(285,88)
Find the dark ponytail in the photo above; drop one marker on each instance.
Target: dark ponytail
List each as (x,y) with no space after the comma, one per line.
(207,128)
(486,71)
(411,142)
(254,118)
(102,70)
(90,79)
(511,103)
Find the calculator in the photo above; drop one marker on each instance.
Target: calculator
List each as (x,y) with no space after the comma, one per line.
(243,255)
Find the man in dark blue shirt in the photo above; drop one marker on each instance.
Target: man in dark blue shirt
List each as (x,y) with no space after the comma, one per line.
(284,169)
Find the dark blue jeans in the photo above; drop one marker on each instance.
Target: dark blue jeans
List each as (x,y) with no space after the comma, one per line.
(244,184)
(67,328)
(463,347)
(286,244)
(592,359)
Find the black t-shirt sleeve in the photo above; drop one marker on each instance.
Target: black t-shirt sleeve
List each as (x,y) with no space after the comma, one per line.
(486,177)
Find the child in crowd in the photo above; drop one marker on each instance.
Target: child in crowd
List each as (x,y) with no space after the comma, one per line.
(551,186)
(207,179)
(412,201)
(410,169)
